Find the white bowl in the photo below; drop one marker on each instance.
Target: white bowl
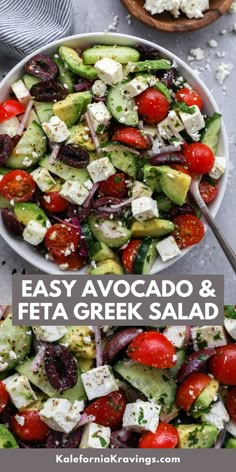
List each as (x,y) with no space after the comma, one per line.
(85,40)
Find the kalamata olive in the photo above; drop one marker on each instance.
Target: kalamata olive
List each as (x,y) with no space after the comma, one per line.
(79,212)
(11,222)
(73,156)
(168,77)
(42,66)
(48,91)
(194,363)
(107,201)
(83,85)
(168,158)
(185,209)
(54,440)
(119,342)
(6,148)
(60,367)
(148,53)
(72,441)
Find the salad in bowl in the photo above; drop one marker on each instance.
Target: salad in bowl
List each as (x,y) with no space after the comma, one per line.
(118,387)
(98,145)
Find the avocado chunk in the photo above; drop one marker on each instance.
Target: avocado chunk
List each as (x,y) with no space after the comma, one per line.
(164,203)
(205,398)
(25,212)
(77,134)
(230,443)
(121,54)
(152,228)
(122,160)
(100,252)
(194,436)
(152,177)
(148,66)
(74,339)
(107,267)
(66,77)
(44,111)
(40,380)
(110,232)
(155,384)
(15,343)
(7,440)
(31,147)
(85,364)
(75,63)
(72,107)
(174,184)
(64,171)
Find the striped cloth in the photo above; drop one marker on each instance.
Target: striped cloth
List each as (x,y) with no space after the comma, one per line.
(26,25)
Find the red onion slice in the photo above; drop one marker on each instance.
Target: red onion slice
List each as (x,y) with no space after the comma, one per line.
(93,132)
(85,419)
(109,210)
(25,118)
(103,201)
(220,438)
(124,203)
(54,155)
(119,342)
(39,358)
(194,363)
(98,342)
(2,310)
(83,250)
(90,195)
(113,147)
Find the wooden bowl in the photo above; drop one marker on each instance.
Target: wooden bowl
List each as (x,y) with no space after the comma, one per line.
(166,22)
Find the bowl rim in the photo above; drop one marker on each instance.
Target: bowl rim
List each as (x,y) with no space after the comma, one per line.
(38,260)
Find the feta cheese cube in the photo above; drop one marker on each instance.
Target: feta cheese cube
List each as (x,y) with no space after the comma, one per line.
(159,6)
(10,127)
(20,391)
(218,168)
(208,337)
(56,130)
(217,416)
(60,415)
(194,8)
(139,189)
(136,86)
(141,416)
(193,122)
(95,436)
(99,89)
(176,335)
(168,249)
(74,192)
(99,382)
(49,333)
(144,208)
(100,169)
(21,92)
(170,126)
(230,326)
(231,428)
(109,71)
(43,179)
(100,116)
(34,233)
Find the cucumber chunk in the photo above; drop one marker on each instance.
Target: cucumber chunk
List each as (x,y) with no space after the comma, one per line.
(145,257)
(122,160)
(30,149)
(64,171)
(122,108)
(30,80)
(148,66)
(7,440)
(110,232)
(121,54)
(44,111)
(210,135)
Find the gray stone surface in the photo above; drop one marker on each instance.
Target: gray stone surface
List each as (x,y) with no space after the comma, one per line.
(97,15)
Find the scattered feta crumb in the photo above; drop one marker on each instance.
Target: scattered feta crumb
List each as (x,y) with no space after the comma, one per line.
(114,23)
(222,72)
(232,9)
(197,53)
(212,43)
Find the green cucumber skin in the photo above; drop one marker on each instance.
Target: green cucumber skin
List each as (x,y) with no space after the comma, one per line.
(141,263)
(118,104)
(210,135)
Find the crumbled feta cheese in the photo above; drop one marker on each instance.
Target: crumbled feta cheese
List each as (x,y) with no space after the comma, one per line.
(217,416)
(95,436)
(168,249)
(59,414)
(231,428)
(109,71)
(99,382)
(27,162)
(141,416)
(34,233)
(230,326)
(136,86)
(114,24)
(212,43)
(43,179)
(218,168)
(56,130)
(21,92)
(170,126)
(232,9)
(176,335)
(20,420)
(49,333)
(144,208)
(20,391)
(159,6)
(197,53)
(139,189)
(222,72)
(10,127)
(100,116)
(192,122)
(194,8)
(208,337)
(99,89)
(100,169)
(74,192)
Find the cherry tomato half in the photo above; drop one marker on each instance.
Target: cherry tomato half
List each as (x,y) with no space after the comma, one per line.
(208,191)
(114,186)
(165,437)
(62,240)
(181,168)
(53,202)
(190,97)
(131,137)
(3,114)
(17,185)
(129,254)
(109,410)
(30,428)
(223,364)
(72,262)
(4,397)
(153,106)
(153,349)
(188,231)
(199,158)
(13,108)
(231,403)
(190,390)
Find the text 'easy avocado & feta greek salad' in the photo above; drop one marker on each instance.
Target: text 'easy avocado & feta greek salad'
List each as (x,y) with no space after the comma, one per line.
(97,151)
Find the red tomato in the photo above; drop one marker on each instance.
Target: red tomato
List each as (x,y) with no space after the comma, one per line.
(153,106)
(208,191)
(165,437)
(181,168)
(153,349)
(74,261)
(114,186)
(190,97)
(3,397)
(188,231)
(13,108)
(62,240)
(223,364)
(3,114)
(231,403)
(32,428)
(199,158)
(109,410)
(17,185)
(190,390)
(129,254)
(54,203)
(131,137)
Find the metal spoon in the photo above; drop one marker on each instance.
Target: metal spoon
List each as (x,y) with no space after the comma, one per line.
(194,190)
